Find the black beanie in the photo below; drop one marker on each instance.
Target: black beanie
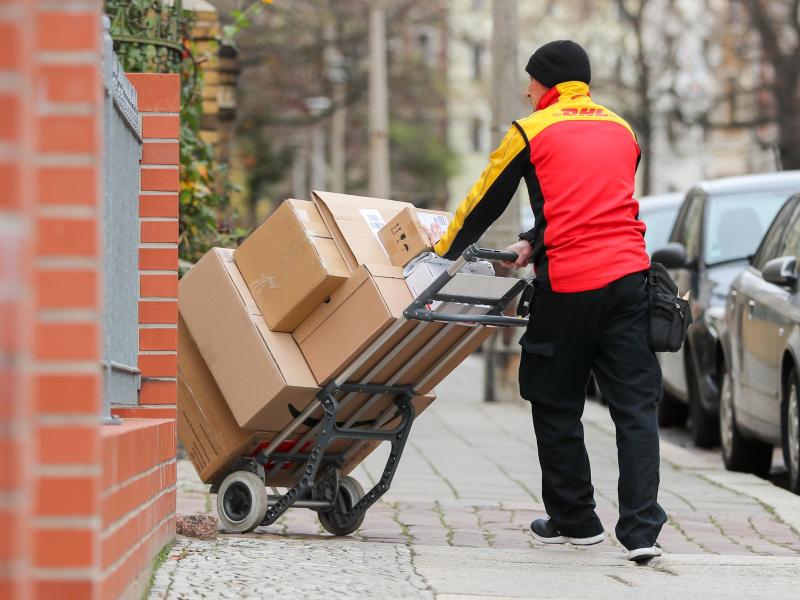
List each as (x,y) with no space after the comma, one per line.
(559,61)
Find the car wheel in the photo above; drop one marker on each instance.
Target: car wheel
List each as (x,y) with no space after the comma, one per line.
(671,411)
(703,425)
(790,422)
(738,452)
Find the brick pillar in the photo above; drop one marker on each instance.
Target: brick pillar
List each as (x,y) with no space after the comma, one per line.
(16,211)
(159,104)
(64,371)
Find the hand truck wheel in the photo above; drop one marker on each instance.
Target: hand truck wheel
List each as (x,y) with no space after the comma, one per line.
(348,494)
(242,502)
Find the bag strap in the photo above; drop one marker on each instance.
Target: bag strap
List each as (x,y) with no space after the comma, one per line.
(658,277)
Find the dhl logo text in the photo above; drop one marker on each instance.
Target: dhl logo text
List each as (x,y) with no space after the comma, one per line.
(583,112)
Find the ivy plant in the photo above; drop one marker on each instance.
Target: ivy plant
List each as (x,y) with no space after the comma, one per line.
(152,36)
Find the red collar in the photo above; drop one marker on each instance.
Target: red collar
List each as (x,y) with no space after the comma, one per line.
(570,89)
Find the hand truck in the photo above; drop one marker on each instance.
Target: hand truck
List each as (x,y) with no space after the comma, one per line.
(341,503)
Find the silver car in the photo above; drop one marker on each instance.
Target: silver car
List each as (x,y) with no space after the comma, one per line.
(761,369)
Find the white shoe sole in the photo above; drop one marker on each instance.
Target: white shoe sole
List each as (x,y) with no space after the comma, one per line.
(644,554)
(562,539)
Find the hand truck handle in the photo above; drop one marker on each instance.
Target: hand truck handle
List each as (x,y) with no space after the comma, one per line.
(473,253)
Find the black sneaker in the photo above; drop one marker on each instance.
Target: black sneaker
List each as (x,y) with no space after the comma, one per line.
(546,532)
(642,555)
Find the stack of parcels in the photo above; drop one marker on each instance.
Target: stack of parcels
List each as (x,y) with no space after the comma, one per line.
(262,329)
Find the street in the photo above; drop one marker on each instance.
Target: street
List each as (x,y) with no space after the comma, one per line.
(455,524)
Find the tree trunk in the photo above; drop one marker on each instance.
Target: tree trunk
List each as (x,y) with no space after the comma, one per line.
(788,103)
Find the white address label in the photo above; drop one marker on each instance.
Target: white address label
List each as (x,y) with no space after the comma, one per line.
(373,218)
(432,221)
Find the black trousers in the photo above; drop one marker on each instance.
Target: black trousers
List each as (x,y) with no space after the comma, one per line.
(569,335)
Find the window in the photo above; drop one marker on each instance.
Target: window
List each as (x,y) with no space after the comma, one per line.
(771,244)
(736,223)
(477,61)
(424,45)
(427,44)
(659,223)
(687,229)
(477,134)
(791,240)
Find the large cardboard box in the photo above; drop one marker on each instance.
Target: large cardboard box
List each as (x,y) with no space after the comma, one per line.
(357,313)
(215,442)
(291,264)
(206,426)
(404,238)
(372,300)
(262,374)
(354,223)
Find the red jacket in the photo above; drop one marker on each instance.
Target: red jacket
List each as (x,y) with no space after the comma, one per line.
(579,162)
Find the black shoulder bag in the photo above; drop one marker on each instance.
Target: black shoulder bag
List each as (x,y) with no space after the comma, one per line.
(670,316)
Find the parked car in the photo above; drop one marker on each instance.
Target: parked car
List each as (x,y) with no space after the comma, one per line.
(658,213)
(719,226)
(761,348)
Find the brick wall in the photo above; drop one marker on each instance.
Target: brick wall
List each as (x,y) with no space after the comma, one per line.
(159,103)
(83,507)
(137,502)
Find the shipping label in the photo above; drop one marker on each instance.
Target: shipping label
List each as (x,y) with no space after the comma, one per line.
(374,219)
(436,224)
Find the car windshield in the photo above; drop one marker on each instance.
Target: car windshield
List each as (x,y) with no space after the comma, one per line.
(659,226)
(735,223)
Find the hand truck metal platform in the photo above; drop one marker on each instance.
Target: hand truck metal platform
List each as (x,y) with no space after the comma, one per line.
(341,503)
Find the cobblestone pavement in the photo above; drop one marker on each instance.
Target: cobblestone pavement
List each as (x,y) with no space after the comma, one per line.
(456,524)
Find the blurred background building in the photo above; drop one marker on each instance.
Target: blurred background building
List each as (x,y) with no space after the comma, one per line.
(220,69)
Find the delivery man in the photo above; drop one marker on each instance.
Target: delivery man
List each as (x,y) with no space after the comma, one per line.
(590,306)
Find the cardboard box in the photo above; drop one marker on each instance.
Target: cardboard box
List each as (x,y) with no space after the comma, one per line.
(354,223)
(361,310)
(291,264)
(261,373)
(215,442)
(357,313)
(206,426)
(404,238)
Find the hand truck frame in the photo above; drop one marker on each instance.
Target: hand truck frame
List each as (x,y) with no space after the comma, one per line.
(242,499)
